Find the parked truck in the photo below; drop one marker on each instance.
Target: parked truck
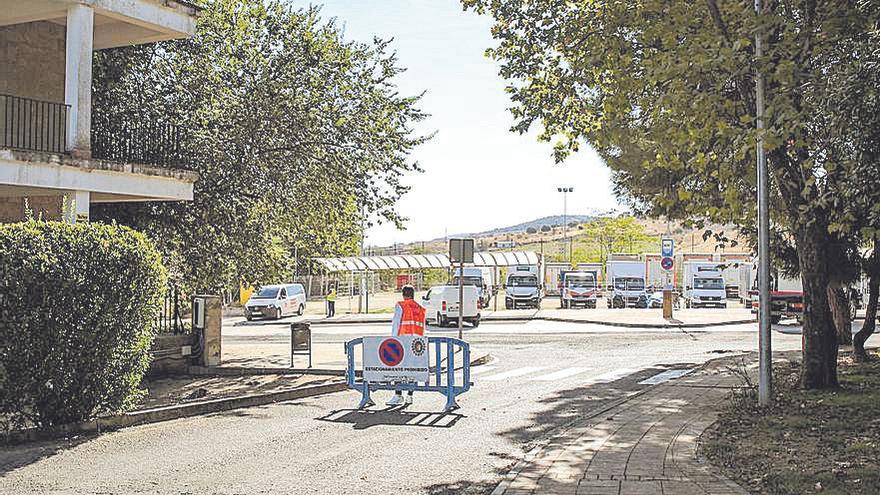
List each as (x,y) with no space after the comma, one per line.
(481,277)
(786,295)
(704,284)
(553,277)
(579,288)
(523,287)
(625,284)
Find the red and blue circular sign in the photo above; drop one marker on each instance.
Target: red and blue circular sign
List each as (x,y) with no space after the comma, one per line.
(391,352)
(666,263)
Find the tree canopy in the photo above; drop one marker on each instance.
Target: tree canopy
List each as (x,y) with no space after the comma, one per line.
(299,136)
(664,91)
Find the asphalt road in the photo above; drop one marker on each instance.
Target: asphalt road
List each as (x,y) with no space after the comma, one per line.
(544,375)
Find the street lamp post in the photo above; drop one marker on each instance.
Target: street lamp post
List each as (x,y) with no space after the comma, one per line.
(765,372)
(565,191)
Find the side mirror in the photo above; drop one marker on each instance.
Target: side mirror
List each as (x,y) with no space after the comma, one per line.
(688,287)
(424,298)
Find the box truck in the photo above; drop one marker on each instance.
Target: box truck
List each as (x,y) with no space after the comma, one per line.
(523,287)
(579,288)
(625,284)
(553,277)
(704,284)
(481,277)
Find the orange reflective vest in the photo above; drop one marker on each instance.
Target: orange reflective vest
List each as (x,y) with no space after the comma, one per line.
(412,321)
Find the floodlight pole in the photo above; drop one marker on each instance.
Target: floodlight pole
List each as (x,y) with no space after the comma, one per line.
(765,371)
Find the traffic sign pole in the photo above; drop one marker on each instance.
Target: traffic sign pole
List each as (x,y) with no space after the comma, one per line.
(667,263)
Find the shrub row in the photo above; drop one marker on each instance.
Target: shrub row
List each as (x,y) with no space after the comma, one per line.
(77,304)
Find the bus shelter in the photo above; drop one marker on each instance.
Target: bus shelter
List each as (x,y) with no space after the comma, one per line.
(356,276)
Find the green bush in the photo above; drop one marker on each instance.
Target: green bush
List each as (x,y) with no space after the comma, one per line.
(76,308)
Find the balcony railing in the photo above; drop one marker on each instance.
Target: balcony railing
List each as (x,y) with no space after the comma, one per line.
(137,139)
(33,125)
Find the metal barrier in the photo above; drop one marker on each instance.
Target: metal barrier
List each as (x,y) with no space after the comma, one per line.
(446,387)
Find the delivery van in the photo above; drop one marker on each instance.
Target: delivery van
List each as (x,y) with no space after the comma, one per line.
(441,305)
(276,301)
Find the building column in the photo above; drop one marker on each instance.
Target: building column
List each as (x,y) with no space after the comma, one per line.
(78,79)
(76,206)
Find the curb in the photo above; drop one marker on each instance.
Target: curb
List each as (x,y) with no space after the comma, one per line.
(166,413)
(560,320)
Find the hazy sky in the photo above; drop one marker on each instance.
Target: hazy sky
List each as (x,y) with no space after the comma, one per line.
(477,174)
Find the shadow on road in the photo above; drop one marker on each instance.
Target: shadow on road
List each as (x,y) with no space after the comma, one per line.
(391,416)
(13,457)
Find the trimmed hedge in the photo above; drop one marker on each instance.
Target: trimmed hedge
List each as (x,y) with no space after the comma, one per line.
(77,304)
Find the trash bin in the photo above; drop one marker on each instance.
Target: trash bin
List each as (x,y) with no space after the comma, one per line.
(300,341)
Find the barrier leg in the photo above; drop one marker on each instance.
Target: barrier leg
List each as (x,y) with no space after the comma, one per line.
(366,401)
(451,405)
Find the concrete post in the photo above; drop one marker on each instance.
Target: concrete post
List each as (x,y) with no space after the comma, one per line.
(213,323)
(78,79)
(76,206)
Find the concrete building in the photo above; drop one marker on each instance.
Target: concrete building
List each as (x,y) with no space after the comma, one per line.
(48,163)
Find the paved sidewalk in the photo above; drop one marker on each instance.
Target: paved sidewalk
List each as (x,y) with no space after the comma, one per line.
(643,446)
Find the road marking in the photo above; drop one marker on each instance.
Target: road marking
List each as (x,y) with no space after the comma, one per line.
(665,376)
(612,375)
(481,369)
(525,370)
(565,373)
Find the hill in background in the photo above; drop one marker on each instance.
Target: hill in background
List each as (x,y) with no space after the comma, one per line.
(551,221)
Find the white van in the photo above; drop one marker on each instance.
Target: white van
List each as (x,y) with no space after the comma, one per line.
(276,301)
(441,305)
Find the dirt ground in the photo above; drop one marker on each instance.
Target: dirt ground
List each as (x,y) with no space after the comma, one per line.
(810,441)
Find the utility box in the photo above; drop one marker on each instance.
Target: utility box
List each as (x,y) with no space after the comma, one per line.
(300,341)
(207,323)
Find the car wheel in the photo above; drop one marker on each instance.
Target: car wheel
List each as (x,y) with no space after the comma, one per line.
(442,320)
(248,317)
(476,321)
(300,310)
(775,318)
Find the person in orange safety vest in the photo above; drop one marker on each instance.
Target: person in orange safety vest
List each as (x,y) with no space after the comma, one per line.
(409,319)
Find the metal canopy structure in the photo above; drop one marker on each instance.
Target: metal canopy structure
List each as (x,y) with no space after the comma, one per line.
(422,261)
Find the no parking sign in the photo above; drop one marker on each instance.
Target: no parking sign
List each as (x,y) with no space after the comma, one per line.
(401,358)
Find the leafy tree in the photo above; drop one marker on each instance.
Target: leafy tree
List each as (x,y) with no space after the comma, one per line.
(607,235)
(531,230)
(545,228)
(299,137)
(664,91)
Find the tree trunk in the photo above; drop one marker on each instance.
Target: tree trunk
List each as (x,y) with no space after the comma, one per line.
(867,329)
(838,300)
(819,333)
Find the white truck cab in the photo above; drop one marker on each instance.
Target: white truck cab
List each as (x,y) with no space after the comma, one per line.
(704,285)
(626,284)
(578,289)
(523,287)
(479,277)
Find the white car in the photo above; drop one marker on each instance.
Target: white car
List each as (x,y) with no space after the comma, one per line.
(441,305)
(276,301)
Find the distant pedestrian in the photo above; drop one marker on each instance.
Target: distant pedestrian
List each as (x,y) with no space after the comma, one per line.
(331,302)
(409,319)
